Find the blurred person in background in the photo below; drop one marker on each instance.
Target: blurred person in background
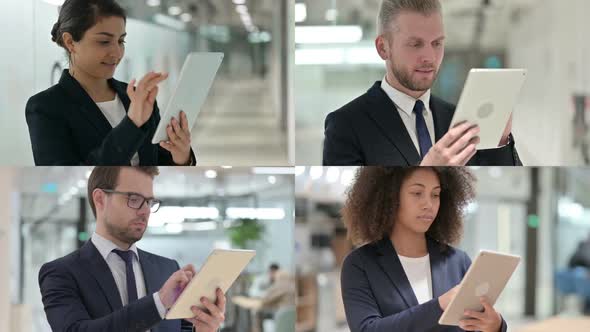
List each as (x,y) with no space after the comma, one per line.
(111,285)
(406,272)
(89,118)
(263,281)
(398,122)
(581,258)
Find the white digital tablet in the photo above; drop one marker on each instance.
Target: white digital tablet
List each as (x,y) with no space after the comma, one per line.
(487,276)
(196,79)
(487,100)
(220,270)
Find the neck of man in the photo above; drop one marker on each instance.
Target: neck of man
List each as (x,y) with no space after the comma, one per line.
(97,88)
(408,243)
(393,81)
(102,231)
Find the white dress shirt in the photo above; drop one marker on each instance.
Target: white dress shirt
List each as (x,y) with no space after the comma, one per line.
(114,111)
(418,273)
(117,266)
(405,107)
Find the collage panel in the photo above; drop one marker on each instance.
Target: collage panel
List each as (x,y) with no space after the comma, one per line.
(362,67)
(370,256)
(221,69)
(233,227)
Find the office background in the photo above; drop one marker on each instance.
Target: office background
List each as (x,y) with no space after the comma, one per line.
(252,127)
(336,61)
(45,215)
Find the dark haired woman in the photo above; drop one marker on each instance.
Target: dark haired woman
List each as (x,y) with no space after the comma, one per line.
(89,118)
(405,275)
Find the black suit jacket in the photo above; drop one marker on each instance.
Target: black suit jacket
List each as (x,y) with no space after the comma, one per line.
(368,131)
(378,296)
(67,128)
(79,294)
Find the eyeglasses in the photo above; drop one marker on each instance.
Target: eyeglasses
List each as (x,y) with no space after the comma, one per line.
(136,201)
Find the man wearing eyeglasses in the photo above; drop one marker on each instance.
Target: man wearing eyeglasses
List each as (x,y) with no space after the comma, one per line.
(111,285)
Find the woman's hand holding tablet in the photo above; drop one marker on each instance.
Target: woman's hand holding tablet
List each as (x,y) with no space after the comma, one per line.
(143,96)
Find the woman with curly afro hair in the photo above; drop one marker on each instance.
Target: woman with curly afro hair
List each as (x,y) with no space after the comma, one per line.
(406,272)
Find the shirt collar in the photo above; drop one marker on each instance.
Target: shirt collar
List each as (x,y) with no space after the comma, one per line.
(105,246)
(403,101)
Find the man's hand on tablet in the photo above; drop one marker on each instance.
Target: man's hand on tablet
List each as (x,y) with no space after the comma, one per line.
(175,284)
(210,318)
(455,148)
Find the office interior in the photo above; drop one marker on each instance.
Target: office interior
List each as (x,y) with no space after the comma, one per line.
(540,214)
(247,118)
(45,215)
(336,61)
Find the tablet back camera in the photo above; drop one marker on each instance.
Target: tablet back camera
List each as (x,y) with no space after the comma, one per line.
(485,110)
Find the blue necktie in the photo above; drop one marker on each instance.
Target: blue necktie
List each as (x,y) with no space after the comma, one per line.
(424,140)
(127,256)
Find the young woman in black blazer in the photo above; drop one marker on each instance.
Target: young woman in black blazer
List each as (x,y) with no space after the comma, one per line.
(89,118)
(407,272)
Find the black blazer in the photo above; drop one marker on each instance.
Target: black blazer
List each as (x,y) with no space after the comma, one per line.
(67,128)
(79,294)
(368,131)
(378,296)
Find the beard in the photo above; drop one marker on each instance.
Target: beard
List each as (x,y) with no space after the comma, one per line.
(128,233)
(404,77)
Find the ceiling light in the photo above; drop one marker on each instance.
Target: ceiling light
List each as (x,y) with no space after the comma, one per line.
(153,3)
(300,12)
(174,10)
(337,34)
(211,174)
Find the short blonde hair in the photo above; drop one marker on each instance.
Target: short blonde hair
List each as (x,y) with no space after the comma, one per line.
(390,9)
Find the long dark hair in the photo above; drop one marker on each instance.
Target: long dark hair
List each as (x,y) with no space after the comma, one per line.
(78,16)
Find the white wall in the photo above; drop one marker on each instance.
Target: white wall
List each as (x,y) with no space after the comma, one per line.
(27,66)
(6,247)
(550,42)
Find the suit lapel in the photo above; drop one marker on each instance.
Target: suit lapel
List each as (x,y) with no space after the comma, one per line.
(150,270)
(385,115)
(93,262)
(437,269)
(389,262)
(86,105)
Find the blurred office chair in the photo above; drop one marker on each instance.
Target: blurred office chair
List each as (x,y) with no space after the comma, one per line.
(574,282)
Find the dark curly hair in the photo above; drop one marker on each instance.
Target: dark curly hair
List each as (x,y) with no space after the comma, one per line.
(372,203)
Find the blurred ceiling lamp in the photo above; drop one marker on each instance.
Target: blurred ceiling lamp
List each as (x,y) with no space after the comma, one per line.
(272,179)
(331,14)
(174,10)
(337,56)
(210,174)
(239,2)
(337,34)
(316,172)
(153,3)
(186,17)
(300,12)
(55,2)
(333,174)
(255,213)
(347,177)
(273,170)
(299,170)
(170,22)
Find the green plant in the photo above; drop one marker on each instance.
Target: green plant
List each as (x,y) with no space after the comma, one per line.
(245,232)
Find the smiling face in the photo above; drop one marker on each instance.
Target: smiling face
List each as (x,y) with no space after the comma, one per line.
(100,49)
(419,201)
(115,219)
(413,48)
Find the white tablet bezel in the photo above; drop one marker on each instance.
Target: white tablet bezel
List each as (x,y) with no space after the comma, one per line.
(195,81)
(487,100)
(220,270)
(489,273)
